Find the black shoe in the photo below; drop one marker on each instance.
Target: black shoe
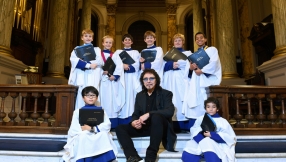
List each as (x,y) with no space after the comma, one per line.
(134,159)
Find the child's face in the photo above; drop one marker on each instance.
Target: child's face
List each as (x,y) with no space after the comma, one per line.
(149,40)
(87,38)
(178,43)
(200,40)
(127,42)
(107,43)
(211,108)
(90,98)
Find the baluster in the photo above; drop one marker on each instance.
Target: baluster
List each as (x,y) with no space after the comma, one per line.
(3,95)
(23,115)
(46,115)
(35,115)
(249,117)
(283,115)
(261,117)
(272,117)
(238,116)
(12,115)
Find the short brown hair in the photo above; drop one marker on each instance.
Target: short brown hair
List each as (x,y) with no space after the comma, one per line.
(107,36)
(212,100)
(200,33)
(127,36)
(149,33)
(87,31)
(179,35)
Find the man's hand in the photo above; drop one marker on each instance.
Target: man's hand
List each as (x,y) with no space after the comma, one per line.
(207,134)
(111,78)
(93,66)
(126,66)
(136,124)
(143,118)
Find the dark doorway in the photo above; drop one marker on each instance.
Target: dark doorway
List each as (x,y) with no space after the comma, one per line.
(137,30)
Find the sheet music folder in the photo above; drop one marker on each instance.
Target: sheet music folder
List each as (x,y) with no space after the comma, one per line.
(201,58)
(149,55)
(126,58)
(207,124)
(91,116)
(174,55)
(85,52)
(109,66)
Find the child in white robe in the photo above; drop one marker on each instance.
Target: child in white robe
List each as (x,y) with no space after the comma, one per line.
(112,86)
(83,73)
(217,146)
(158,63)
(132,85)
(176,81)
(86,143)
(210,74)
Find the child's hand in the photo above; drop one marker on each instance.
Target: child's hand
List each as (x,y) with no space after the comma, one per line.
(142,67)
(111,78)
(85,127)
(105,72)
(175,65)
(126,66)
(198,71)
(136,124)
(93,66)
(207,134)
(142,59)
(193,66)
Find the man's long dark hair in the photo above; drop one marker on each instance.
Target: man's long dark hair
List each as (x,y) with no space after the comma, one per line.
(150,71)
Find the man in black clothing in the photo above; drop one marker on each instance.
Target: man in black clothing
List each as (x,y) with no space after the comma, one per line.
(152,117)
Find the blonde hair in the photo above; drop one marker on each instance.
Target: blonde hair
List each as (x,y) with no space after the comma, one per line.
(149,33)
(87,31)
(107,36)
(179,35)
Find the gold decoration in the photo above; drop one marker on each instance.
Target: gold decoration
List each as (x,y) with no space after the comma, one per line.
(279,52)
(171,8)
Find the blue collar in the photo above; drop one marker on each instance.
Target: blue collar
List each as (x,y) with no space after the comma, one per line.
(127,49)
(151,47)
(107,51)
(181,49)
(91,107)
(216,115)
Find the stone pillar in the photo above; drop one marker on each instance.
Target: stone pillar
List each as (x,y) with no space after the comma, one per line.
(171,20)
(197,19)
(57,37)
(6,24)
(85,17)
(110,28)
(279,14)
(225,37)
(246,45)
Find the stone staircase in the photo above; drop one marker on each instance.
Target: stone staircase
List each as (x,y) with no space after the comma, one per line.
(141,144)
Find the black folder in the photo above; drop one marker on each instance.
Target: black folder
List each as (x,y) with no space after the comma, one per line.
(109,66)
(207,124)
(126,58)
(200,57)
(91,116)
(149,55)
(85,52)
(174,55)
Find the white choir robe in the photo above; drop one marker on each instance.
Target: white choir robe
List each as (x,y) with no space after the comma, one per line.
(132,86)
(112,93)
(85,78)
(83,144)
(225,151)
(176,81)
(158,63)
(193,105)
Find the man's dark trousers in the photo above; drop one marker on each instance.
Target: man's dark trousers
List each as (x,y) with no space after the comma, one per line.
(156,129)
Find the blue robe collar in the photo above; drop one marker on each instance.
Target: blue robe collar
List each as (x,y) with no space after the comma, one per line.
(181,49)
(107,51)
(151,47)
(127,49)
(91,107)
(216,115)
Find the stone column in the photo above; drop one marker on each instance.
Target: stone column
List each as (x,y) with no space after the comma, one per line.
(85,16)
(197,19)
(225,37)
(171,20)
(279,14)
(110,28)
(246,45)
(6,24)
(57,37)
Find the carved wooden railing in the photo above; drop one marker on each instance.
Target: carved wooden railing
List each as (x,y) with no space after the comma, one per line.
(253,109)
(44,108)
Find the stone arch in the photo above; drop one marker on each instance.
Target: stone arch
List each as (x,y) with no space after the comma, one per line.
(146,17)
(101,23)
